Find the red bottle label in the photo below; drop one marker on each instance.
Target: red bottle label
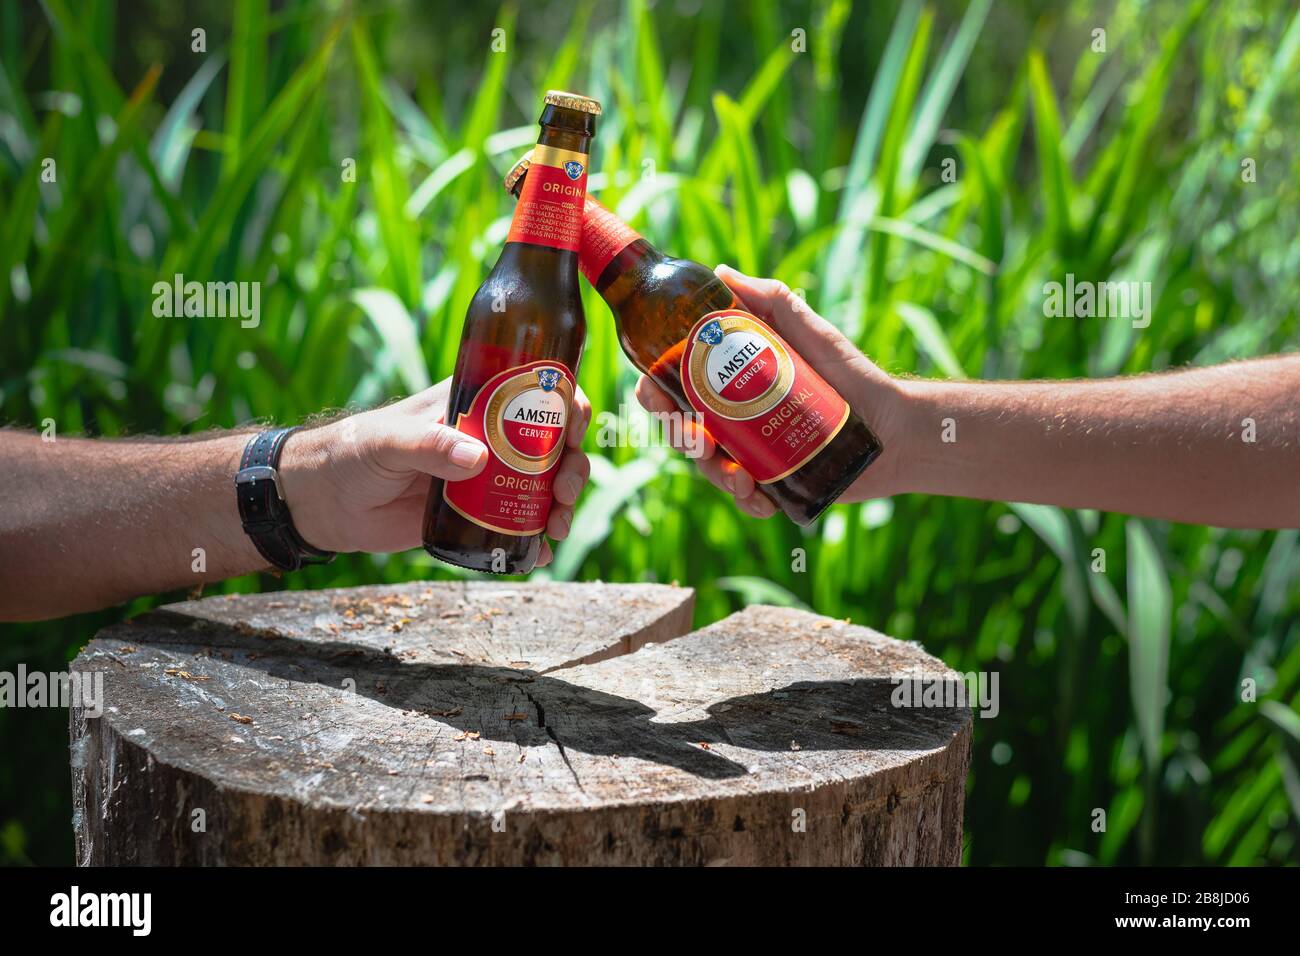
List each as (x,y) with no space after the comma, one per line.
(763,403)
(521,415)
(604,236)
(549,212)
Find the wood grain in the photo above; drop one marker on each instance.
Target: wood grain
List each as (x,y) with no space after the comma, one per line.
(490,723)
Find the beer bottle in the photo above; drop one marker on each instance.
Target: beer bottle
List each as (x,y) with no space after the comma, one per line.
(515,374)
(681,325)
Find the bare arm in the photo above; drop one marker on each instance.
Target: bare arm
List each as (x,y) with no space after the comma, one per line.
(1217,446)
(87,523)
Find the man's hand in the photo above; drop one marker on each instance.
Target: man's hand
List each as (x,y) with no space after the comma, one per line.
(1213,445)
(872,394)
(85,523)
(360,483)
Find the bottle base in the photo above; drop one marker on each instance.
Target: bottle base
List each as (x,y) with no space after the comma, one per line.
(477,562)
(856,468)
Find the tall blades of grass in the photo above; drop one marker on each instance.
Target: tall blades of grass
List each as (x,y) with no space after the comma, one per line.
(1280,70)
(1057,186)
(749,107)
(844,255)
(747,199)
(891,153)
(19,128)
(11,39)
(196,256)
(479,122)
(598,509)
(988,198)
(937,95)
(933,241)
(170,146)
(476,207)
(824,45)
(930,337)
(1089,113)
(1129,152)
(652,85)
(1150,606)
(247,82)
(67,229)
(399,336)
(447,172)
(1053,527)
(16,229)
(391,194)
(102,89)
(776,124)
(756,590)
(564,64)
(1286,727)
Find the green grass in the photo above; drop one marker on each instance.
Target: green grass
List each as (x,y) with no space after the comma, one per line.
(1120,687)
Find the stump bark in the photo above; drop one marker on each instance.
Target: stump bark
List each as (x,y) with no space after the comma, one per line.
(491,723)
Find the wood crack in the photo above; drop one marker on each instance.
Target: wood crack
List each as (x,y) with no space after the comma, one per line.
(697,750)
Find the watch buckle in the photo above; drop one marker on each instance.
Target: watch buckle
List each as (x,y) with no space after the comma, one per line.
(246,476)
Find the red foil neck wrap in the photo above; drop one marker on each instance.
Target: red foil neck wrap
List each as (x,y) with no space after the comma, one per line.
(604,236)
(549,212)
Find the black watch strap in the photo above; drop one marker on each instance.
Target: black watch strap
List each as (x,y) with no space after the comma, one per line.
(262,508)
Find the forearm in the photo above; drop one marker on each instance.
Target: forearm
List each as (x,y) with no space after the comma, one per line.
(1173,446)
(91,523)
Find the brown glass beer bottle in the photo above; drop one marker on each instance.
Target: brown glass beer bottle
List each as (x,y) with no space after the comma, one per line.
(680,324)
(516,370)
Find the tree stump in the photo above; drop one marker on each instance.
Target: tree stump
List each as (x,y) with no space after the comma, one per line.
(497,723)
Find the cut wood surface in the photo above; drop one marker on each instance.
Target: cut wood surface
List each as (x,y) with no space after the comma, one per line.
(496,723)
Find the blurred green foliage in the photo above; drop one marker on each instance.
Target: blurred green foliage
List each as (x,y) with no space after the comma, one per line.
(803,140)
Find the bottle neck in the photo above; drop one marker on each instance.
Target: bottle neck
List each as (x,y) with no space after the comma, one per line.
(611,249)
(549,212)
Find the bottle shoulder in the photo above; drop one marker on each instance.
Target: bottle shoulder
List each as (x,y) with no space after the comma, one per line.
(684,286)
(530,288)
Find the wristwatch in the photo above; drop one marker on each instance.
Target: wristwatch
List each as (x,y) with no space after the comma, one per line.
(262,508)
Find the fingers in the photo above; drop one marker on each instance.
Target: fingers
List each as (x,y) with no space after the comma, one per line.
(575,469)
(728,476)
(769,299)
(685,433)
(736,479)
(756,505)
(652,397)
(812,336)
(693,440)
(579,419)
(819,342)
(559,522)
(411,442)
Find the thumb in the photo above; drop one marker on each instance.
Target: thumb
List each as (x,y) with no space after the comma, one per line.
(816,339)
(413,443)
(769,299)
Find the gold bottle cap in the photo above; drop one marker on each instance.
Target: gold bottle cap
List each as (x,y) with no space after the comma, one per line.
(517,170)
(573,101)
